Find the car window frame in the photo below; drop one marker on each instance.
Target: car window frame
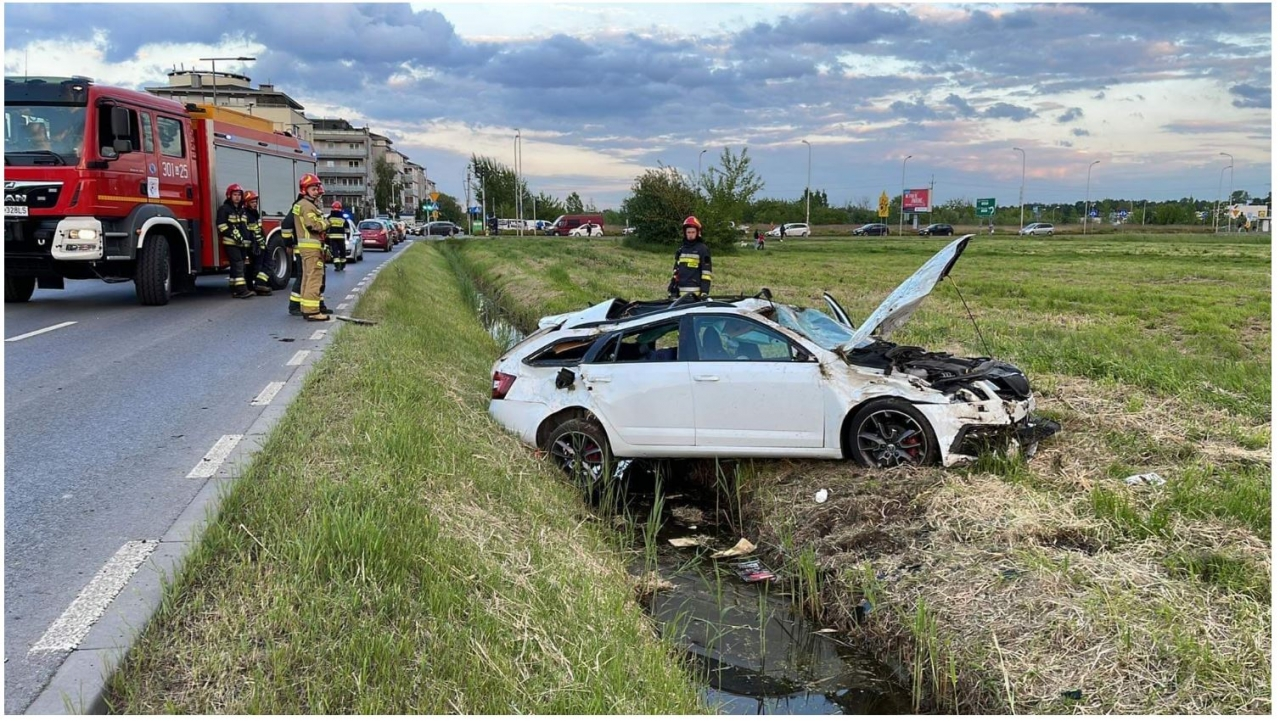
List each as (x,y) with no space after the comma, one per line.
(595,354)
(696,357)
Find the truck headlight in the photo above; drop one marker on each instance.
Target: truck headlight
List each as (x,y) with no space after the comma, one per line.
(82,234)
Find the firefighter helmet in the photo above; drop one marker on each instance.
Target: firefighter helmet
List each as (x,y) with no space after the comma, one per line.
(309,180)
(233,188)
(336,205)
(249,195)
(692,222)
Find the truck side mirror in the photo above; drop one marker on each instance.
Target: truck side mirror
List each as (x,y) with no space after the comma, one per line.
(120,122)
(122,146)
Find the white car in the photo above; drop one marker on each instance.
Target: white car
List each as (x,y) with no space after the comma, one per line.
(793,230)
(748,377)
(1037,229)
(587,230)
(355,244)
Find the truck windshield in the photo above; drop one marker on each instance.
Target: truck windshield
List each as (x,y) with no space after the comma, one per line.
(42,134)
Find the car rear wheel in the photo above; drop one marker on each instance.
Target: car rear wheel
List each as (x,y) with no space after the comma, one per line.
(580,449)
(889,432)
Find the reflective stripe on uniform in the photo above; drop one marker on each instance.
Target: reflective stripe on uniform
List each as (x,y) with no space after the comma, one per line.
(310,245)
(263,277)
(237,281)
(310,305)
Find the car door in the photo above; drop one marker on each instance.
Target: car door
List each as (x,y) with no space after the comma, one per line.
(639,385)
(753,387)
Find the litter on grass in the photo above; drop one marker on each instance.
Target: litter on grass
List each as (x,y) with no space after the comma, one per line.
(742,548)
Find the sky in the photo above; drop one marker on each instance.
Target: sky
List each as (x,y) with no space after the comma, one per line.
(602,92)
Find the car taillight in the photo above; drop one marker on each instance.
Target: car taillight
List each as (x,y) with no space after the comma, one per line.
(501,384)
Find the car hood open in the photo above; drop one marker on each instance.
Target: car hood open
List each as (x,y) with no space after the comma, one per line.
(903,301)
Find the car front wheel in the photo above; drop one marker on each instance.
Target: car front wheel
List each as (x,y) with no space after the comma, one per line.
(889,432)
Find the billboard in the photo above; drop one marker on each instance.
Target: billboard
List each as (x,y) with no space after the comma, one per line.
(915,201)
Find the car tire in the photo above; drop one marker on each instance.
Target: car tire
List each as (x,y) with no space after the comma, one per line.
(153,275)
(890,432)
(580,449)
(18,290)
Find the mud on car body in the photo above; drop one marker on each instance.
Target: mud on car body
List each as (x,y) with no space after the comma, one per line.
(748,377)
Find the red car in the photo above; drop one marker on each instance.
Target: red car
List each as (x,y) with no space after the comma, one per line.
(376,234)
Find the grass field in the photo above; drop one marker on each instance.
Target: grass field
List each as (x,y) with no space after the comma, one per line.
(390,551)
(1010,585)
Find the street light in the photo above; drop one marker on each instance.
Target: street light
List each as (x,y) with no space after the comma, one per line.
(515,151)
(1088,177)
(214,64)
(1217,199)
(704,150)
(902,204)
(1231,191)
(808,179)
(1022,188)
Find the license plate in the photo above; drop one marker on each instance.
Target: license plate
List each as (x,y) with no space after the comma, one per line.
(15,210)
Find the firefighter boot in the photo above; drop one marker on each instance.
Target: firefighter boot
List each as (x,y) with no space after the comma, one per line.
(321,316)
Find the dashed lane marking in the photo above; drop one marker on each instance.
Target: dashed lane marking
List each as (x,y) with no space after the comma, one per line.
(24,336)
(268,393)
(301,355)
(342,306)
(70,628)
(318,335)
(214,458)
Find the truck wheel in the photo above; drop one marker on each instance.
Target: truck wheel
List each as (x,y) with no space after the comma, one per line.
(18,290)
(153,276)
(279,264)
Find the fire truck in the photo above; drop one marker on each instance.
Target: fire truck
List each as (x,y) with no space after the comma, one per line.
(118,185)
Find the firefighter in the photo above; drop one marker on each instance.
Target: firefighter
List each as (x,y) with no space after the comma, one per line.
(255,261)
(290,241)
(338,236)
(232,232)
(692,271)
(309,227)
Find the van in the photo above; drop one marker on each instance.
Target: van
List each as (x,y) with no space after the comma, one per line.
(565,223)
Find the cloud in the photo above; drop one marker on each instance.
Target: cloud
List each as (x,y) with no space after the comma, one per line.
(915,111)
(1009,111)
(1080,132)
(1251,97)
(962,106)
(1070,115)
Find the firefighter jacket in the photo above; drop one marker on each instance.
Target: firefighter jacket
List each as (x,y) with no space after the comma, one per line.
(692,271)
(337,232)
(232,229)
(308,225)
(253,221)
(286,231)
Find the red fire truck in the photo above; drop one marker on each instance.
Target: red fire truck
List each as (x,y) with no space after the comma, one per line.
(119,185)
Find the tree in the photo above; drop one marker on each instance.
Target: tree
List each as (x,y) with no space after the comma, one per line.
(384,185)
(660,200)
(451,210)
(550,207)
(573,204)
(730,187)
(496,184)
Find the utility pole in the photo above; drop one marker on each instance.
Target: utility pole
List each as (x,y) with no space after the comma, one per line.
(1144,211)
(214,77)
(1088,177)
(932,201)
(902,203)
(808,182)
(1021,218)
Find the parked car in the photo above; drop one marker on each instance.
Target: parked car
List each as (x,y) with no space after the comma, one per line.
(740,227)
(872,229)
(1037,229)
(751,377)
(790,230)
(376,233)
(937,229)
(566,223)
(629,230)
(355,244)
(588,230)
(443,227)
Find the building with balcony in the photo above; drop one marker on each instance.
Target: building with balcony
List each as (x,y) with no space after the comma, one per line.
(237,92)
(345,164)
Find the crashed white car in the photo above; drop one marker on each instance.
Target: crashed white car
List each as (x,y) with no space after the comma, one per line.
(753,378)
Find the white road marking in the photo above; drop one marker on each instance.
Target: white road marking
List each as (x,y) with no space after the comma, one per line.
(69,630)
(301,355)
(24,336)
(342,306)
(319,334)
(214,458)
(349,297)
(268,393)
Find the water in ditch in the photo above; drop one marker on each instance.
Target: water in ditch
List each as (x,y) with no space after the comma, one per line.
(756,653)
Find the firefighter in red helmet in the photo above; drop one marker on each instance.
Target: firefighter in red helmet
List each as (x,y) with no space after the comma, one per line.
(692,271)
(309,226)
(255,261)
(233,233)
(337,236)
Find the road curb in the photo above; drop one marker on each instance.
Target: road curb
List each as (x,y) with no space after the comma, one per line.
(79,685)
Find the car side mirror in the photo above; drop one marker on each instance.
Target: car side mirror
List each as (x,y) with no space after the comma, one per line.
(803,356)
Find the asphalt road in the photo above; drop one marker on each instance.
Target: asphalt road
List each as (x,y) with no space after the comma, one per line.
(105,418)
